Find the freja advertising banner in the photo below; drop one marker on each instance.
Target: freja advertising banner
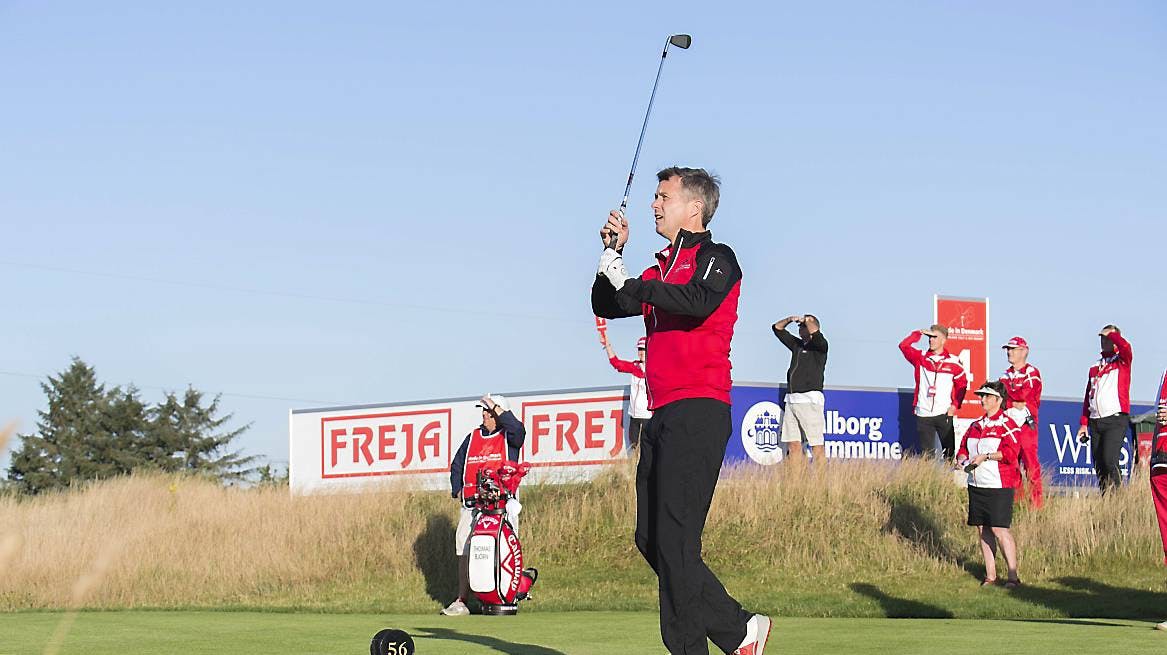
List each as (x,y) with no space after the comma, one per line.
(572,435)
(967,320)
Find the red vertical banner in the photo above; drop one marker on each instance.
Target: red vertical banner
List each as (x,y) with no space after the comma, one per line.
(967,320)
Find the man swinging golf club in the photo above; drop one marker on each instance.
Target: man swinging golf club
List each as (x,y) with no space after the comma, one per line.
(689,303)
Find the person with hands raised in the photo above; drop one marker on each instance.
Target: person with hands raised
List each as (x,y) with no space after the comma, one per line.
(498,440)
(688,301)
(638,412)
(941,381)
(803,417)
(1106,407)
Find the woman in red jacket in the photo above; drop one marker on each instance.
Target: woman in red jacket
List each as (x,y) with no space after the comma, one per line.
(989,452)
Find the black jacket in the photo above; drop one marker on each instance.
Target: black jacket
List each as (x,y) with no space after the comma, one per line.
(516,434)
(808,361)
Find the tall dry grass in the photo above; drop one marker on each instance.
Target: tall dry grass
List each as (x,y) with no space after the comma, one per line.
(175,542)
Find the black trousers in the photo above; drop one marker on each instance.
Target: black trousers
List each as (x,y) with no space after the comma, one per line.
(680,459)
(636,429)
(1107,435)
(928,428)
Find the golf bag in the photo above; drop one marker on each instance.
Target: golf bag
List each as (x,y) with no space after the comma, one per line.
(497,576)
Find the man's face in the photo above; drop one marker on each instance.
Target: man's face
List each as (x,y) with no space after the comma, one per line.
(1016,355)
(672,208)
(936,343)
(488,421)
(640,354)
(803,331)
(1105,342)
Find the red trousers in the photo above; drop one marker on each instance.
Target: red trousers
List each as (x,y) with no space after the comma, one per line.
(1032,466)
(1159,493)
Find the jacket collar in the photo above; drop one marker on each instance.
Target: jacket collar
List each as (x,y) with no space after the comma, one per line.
(685,240)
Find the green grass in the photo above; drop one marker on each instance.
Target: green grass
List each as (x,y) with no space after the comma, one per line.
(859,540)
(548,633)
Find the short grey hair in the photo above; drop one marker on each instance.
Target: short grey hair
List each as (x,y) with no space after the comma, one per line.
(699,184)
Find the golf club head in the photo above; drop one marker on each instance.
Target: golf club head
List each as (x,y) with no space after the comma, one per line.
(682,41)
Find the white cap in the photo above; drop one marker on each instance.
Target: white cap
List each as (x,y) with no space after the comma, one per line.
(986,390)
(504,405)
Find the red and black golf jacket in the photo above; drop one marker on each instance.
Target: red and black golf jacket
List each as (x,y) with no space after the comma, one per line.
(689,303)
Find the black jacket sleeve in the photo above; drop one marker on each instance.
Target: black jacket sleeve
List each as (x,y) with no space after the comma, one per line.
(515,432)
(457,467)
(789,340)
(606,303)
(716,272)
(817,343)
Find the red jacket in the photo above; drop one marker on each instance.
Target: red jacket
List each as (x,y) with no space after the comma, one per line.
(1024,386)
(993,434)
(1108,389)
(689,303)
(1160,442)
(940,379)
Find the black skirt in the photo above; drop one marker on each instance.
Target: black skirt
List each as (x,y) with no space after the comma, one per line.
(991,507)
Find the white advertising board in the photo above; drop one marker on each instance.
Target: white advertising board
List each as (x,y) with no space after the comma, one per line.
(571,436)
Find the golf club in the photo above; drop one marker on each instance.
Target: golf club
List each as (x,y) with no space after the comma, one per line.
(682,41)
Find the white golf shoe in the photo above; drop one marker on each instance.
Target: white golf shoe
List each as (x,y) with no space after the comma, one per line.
(757,633)
(456,608)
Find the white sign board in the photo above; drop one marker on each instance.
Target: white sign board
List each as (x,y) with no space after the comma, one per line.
(571,436)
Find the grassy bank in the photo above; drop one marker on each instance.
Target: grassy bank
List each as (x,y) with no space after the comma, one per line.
(858,539)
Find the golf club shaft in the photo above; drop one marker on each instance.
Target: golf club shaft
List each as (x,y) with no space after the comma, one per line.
(644,127)
(682,41)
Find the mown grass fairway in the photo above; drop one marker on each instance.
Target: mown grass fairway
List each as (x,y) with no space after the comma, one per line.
(547,633)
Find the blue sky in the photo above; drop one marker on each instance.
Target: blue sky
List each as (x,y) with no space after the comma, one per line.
(297,204)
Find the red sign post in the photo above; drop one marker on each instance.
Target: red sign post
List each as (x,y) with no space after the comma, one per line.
(967,320)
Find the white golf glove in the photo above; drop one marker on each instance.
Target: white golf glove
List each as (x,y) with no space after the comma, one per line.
(612,267)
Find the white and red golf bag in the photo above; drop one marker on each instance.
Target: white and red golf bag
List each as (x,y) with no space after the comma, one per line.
(497,576)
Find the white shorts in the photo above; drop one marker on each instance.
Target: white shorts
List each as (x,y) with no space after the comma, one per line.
(466,518)
(803,421)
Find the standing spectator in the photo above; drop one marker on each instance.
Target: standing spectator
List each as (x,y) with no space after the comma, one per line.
(1159,470)
(689,303)
(940,385)
(637,390)
(499,439)
(1023,382)
(804,416)
(1106,409)
(989,452)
